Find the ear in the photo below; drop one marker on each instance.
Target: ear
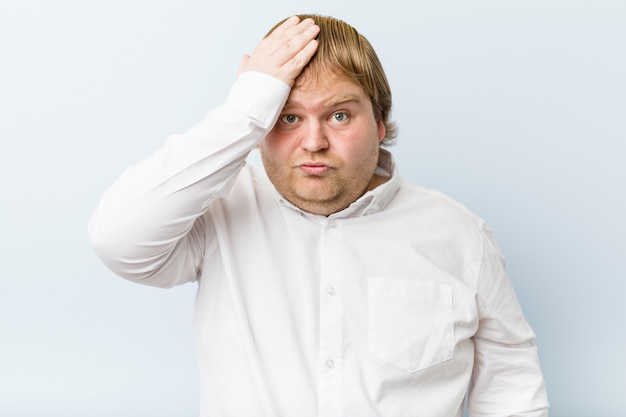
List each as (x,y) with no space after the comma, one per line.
(381,130)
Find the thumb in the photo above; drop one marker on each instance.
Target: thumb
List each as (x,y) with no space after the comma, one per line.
(243,65)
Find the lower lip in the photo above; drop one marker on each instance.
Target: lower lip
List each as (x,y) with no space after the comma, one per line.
(314,169)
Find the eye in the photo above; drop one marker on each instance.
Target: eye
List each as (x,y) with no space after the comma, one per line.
(289,119)
(340,116)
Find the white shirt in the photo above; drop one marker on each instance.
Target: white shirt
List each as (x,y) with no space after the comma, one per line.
(391,307)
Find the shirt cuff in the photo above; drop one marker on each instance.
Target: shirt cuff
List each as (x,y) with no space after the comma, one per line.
(259,96)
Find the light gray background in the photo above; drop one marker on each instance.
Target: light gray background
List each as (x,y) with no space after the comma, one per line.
(515,108)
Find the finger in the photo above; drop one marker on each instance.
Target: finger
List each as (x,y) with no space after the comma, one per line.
(284,52)
(295,44)
(288,23)
(279,38)
(296,64)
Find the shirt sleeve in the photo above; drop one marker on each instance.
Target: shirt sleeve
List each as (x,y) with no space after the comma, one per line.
(148,225)
(507,380)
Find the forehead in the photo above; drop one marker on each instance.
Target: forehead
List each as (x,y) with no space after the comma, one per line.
(325,90)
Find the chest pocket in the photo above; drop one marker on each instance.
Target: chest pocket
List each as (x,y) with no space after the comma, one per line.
(410,323)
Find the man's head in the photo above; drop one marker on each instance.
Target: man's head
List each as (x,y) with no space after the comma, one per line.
(323,151)
(344,52)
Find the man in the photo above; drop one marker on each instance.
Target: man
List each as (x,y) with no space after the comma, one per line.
(327,285)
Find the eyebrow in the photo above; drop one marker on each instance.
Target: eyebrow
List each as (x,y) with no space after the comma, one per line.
(335,101)
(343,99)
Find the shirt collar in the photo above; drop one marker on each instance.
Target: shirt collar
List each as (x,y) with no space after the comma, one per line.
(372,201)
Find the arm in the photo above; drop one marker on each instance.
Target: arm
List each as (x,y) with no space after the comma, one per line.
(507,379)
(148,225)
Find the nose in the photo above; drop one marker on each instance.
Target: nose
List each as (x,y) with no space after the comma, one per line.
(314,137)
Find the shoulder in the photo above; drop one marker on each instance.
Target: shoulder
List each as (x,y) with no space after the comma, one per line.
(433,202)
(436,214)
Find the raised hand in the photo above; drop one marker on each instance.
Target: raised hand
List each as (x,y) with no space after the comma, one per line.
(284,52)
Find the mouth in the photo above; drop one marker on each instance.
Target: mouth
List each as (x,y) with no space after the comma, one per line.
(314,168)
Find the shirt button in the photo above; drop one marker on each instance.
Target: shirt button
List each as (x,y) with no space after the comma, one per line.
(332,291)
(330,364)
(332,224)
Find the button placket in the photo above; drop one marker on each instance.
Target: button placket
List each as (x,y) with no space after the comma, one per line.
(330,332)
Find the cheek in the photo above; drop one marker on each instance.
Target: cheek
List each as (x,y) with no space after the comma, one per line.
(274,148)
(268,143)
